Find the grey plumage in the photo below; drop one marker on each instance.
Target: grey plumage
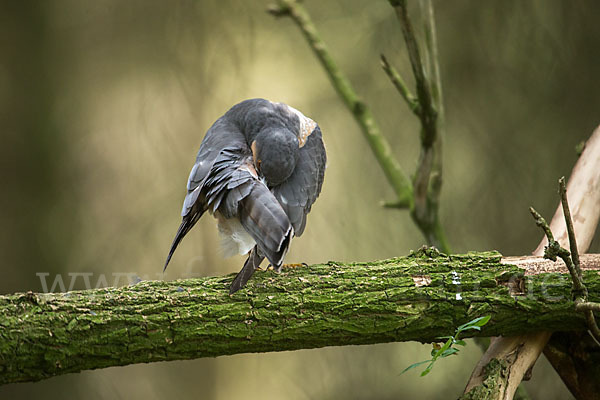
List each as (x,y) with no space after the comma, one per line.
(264,219)
(299,192)
(271,202)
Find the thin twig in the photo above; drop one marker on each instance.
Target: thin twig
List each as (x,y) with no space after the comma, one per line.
(431,56)
(361,112)
(428,114)
(554,250)
(562,189)
(541,222)
(578,286)
(571,260)
(432,69)
(398,82)
(577,283)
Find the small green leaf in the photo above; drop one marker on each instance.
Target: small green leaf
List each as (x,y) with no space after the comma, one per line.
(428,369)
(445,347)
(477,323)
(482,321)
(472,327)
(414,366)
(449,352)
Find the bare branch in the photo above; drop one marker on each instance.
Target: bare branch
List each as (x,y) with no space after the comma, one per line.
(554,250)
(428,114)
(398,82)
(562,189)
(361,112)
(584,305)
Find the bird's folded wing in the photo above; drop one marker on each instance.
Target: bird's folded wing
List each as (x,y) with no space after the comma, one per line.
(298,193)
(222,141)
(263,218)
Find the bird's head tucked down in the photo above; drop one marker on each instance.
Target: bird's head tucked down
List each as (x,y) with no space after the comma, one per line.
(275,153)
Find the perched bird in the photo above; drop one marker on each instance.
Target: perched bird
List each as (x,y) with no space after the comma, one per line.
(259,170)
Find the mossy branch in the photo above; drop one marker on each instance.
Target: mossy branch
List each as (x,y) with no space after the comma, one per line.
(415,298)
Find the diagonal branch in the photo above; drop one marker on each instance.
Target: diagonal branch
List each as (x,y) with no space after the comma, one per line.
(587,306)
(580,375)
(428,114)
(398,82)
(562,190)
(432,66)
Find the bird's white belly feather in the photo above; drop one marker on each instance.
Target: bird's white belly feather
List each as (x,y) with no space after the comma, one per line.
(234,238)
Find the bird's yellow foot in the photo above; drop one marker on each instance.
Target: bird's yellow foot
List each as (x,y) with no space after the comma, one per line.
(278,269)
(296,265)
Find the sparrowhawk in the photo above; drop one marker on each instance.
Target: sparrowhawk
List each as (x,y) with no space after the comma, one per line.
(259,170)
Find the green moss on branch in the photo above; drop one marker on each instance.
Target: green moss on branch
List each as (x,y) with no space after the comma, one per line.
(419,297)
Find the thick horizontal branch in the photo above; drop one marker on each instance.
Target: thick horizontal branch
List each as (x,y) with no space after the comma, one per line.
(419,297)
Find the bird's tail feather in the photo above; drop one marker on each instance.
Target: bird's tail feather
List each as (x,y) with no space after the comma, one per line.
(267,223)
(187,223)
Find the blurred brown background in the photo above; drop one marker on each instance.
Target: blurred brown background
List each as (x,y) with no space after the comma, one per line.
(104,103)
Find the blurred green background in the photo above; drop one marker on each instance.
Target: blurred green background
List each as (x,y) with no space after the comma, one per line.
(103,105)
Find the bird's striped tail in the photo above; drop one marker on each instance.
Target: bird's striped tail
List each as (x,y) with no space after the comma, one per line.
(267,223)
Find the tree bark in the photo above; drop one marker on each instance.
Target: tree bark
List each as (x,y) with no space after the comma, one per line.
(576,357)
(419,297)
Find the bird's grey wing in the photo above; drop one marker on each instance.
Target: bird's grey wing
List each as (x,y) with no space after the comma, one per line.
(221,151)
(234,190)
(298,193)
(223,135)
